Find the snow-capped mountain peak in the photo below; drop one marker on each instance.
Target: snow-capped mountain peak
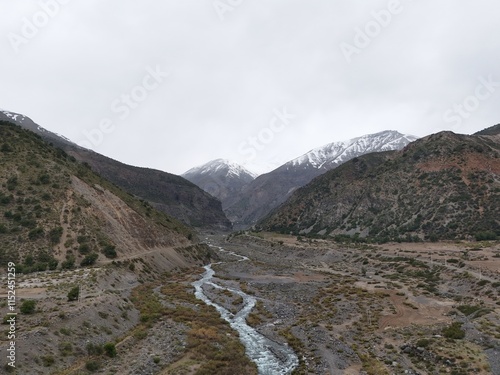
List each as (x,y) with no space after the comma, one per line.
(220,178)
(339,152)
(220,167)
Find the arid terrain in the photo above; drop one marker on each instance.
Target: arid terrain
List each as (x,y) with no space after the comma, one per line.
(424,308)
(385,309)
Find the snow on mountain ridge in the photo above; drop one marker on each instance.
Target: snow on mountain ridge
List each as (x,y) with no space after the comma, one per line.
(338,152)
(214,166)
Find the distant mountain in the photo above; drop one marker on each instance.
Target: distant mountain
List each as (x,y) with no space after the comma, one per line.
(271,189)
(220,178)
(443,186)
(169,193)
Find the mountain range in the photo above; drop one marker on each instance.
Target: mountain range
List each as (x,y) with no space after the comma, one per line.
(443,186)
(269,190)
(167,192)
(384,186)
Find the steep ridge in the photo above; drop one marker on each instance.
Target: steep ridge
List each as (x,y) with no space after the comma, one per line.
(221,178)
(167,192)
(56,213)
(267,191)
(443,186)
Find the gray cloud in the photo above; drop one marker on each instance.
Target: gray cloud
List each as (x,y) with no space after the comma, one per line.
(227,77)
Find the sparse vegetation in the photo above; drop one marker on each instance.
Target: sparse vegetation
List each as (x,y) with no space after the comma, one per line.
(28,306)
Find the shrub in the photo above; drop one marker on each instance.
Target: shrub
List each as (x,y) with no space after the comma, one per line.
(28,306)
(84,248)
(423,343)
(92,366)
(454,331)
(94,349)
(68,263)
(74,293)
(35,233)
(47,360)
(44,178)
(89,260)
(109,251)
(110,349)
(485,236)
(6,148)
(66,348)
(55,235)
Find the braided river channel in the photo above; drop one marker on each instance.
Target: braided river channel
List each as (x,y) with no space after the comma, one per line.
(271,358)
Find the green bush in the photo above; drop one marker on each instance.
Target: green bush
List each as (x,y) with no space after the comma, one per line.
(110,349)
(454,331)
(66,348)
(92,366)
(94,349)
(35,233)
(423,343)
(84,248)
(89,260)
(55,235)
(69,263)
(6,148)
(109,251)
(44,179)
(74,293)
(28,306)
(485,236)
(48,360)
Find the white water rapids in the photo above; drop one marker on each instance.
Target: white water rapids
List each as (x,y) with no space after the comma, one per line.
(272,358)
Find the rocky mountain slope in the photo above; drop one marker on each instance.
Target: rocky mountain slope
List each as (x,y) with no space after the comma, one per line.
(89,262)
(169,193)
(267,191)
(221,178)
(443,186)
(56,213)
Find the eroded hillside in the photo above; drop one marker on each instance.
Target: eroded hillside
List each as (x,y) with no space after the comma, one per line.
(444,186)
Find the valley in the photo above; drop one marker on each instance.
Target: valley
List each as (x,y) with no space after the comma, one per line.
(386,264)
(354,309)
(343,308)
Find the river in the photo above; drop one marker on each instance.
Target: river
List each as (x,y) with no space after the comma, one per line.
(271,358)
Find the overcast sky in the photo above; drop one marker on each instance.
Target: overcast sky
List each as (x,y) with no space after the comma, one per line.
(173,84)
